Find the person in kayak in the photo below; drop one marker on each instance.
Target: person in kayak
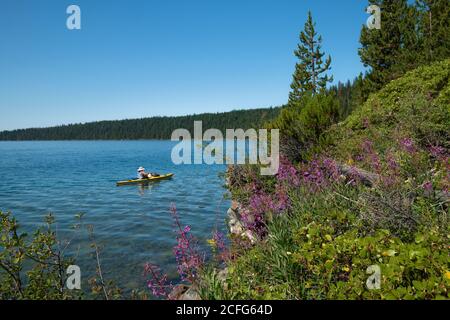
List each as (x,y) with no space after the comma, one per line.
(144,175)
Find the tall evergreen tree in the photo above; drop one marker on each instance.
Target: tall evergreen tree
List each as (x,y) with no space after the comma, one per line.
(434,28)
(387,51)
(310,72)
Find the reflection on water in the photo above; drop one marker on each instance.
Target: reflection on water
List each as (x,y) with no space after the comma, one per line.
(132,223)
(146,187)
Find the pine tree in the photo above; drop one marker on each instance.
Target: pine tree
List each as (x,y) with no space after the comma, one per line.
(434,29)
(388,51)
(309,74)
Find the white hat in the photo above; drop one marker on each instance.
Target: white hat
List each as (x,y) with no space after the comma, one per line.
(141,169)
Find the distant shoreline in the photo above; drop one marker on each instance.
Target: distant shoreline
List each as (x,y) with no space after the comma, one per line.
(154,128)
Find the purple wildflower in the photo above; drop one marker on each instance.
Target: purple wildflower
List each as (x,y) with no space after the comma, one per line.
(219,241)
(313,175)
(331,168)
(186,253)
(287,173)
(437,152)
(283,201)
(408,145)
(392,163)
(157,282)
(367,146)
(428,187)
(370,154)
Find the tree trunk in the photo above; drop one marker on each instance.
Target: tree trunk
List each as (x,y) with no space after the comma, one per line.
(431,34)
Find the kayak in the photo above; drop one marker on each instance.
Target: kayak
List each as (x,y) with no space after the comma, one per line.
(152,179)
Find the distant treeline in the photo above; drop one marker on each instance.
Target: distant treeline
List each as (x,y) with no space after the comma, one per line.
(146,128)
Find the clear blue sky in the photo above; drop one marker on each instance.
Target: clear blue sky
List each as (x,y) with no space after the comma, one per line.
(139,58)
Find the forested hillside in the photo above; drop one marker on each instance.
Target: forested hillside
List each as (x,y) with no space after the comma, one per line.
(146,128)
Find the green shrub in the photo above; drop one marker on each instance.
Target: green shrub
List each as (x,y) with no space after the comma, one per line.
(35,268)
(32,269)
(302,124)
(415,106)
(417,270)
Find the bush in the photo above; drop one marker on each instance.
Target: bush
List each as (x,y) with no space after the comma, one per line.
(414,106)
(33,269)
(302,124)
(416,270)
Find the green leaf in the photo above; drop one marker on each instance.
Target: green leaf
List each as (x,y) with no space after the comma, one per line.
(389,253)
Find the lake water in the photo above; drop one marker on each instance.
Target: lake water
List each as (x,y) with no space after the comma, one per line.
(131,223)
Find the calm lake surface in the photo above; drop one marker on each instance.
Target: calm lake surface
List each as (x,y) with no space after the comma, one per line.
(131,223)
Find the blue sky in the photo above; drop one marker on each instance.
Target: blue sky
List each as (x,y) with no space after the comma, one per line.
(139,58)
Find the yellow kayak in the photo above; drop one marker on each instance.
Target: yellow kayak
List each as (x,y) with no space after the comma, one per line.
(152,179)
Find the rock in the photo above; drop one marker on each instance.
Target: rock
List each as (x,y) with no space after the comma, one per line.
(234,223)
(367,178)
(184,292)
(234,205)
(222,277)
(190,295)
(250,236)
(178,291)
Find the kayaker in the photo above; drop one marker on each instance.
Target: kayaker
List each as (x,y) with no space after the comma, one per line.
(142,174)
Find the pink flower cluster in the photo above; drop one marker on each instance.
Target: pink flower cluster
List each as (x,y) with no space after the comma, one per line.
(187,257)
(287,173)
(186,252)
(371,156)
(408,145)
(262,204)
(157,282)
(222,249)
(319,173)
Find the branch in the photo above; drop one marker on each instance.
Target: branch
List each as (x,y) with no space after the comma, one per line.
(16,279)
